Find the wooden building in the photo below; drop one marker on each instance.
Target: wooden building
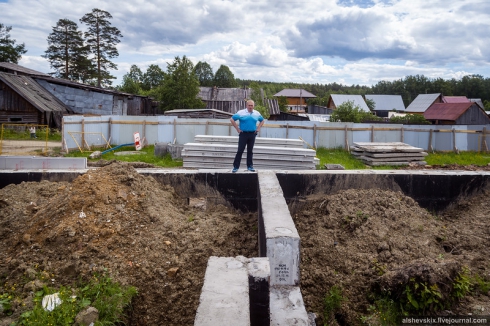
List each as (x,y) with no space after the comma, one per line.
(462,113)
(29,96)
(297,99)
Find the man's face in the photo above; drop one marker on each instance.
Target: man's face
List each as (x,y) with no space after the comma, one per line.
(250,107)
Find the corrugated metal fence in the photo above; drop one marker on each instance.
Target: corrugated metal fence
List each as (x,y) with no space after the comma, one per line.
(116,130)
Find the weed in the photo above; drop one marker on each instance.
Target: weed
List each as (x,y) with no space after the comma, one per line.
(6,303)
(384,312)
(480,285)
(101,292)
(420,297)
(332,302)
(461,284)
(380,269)
(191,218)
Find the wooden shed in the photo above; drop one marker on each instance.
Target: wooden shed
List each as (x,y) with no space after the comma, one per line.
(23,100)
(297,99)
(468,113)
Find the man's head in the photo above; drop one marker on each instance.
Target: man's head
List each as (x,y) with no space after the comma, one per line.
(250,105)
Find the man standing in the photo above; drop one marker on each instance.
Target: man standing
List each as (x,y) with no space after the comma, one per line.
(247,131)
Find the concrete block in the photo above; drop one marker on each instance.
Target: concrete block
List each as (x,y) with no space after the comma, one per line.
(278,238)
(161,149)
(225,294)
(42,163)
(287,307)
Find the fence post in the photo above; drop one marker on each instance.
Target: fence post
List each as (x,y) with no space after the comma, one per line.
(372,133)
(110,130)
(455,149)
(346,138)
(314,135)
(175,131)
(484,139)
(402,134)
(429,147)
(83,133)
(207,128)
(287,130)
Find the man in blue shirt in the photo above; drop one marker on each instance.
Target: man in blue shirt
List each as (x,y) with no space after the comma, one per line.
(247,131)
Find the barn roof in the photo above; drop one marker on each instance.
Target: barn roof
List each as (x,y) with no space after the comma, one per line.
(289,92)
(455,99)
(422,103)
(34,93)
(447,111)
(224,94)
(199,113)
(387,102)
(357,100)
(15,69)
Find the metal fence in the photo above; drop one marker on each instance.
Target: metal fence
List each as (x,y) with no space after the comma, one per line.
(117,130)
(24,139)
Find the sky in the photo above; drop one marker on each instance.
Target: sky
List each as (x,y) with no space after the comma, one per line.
(349,42)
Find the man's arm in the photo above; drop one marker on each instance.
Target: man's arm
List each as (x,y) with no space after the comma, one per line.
(260,125)
(233,122)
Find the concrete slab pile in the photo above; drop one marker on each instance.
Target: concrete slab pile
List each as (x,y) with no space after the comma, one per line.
(213,152)
(394,153)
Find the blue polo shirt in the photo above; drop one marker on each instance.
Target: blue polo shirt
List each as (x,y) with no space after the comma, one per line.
(248,121)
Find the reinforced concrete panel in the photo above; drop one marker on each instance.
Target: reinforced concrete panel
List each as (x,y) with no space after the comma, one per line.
(225,294)
(287,306)
(278,238)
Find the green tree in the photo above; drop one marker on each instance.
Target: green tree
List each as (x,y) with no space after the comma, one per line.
(370,103)
(153,77)
(413,119)
(66,52)
(283,103)
(204,73)
(102,39)
(9,52)
(348,112)
(132,81)
(224,77)
(180,86)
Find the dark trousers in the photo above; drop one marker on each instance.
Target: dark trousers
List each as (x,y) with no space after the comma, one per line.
(245,139)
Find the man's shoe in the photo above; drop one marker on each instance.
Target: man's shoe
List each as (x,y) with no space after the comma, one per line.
(251,168)
(234,170)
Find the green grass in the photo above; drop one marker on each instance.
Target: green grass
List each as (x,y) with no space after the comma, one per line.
(350,162)
(463,158)
(146,155)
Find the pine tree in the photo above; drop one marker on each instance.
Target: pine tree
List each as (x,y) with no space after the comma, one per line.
(66,53)
(102,39)
(9,52)
(153,77)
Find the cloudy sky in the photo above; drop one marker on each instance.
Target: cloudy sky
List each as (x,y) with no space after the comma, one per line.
(303,41)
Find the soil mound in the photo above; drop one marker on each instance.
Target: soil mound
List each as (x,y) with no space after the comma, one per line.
(115,219)
(360,240)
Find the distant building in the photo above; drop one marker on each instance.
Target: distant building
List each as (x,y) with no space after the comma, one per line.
(232,100)
(465,113)
(338,99)
(297,99)
(29,96)
(422,102)
(386,103)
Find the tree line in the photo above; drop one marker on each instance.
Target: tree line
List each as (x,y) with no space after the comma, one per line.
(86,57)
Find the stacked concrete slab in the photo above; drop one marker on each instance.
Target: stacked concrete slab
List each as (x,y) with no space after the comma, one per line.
(393,153)
(218,152)
(42,163)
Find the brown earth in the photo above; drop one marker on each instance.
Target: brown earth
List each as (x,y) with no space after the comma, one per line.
(116,219)
(140,230)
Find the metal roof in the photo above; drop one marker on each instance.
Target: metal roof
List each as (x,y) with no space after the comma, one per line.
(289,92)
(339,99)
(455,99)
(447,111)
(387,102)
(478,101)
(34,93)
(14,68)
(422,103)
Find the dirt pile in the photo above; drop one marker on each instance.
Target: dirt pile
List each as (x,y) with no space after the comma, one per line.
(115,219)
(354,238)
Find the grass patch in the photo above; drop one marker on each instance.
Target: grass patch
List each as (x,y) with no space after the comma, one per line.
(461,158)
(146,155)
